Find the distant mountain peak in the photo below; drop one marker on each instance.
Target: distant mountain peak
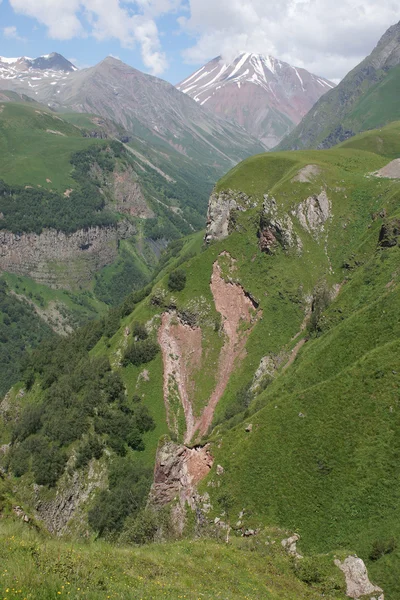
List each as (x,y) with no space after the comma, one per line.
(283,94)
(46,62)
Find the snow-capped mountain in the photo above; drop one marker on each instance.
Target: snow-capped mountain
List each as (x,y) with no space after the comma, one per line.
(29,73)
(264,95)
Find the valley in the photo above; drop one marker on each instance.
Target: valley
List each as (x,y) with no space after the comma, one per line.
(199,338)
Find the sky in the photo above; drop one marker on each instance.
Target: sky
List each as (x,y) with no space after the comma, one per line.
(172,38)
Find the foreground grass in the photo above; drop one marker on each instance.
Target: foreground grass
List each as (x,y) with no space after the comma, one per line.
(41,568)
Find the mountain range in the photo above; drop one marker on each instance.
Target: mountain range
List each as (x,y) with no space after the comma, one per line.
(264,95)
(144,105)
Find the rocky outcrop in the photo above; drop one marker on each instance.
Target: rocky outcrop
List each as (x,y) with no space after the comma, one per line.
(276,228)
(389,235)
(357,581)
(69,502)
(290,545)
(220,207)
(129,196)
(177,472)
(313,213)
(181,346)
(58,259)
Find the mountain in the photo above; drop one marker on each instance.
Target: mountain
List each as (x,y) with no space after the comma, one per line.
(144,105)
(25,72)
(264,95)
(248,395)
(353,105)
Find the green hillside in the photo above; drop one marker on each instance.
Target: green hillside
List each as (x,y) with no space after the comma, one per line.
(70,173)
(278,345)
(366,98)
(379,106)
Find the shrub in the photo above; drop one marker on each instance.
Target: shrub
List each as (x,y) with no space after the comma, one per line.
(144,420)
(140,353)
(29,422)
(140,529)
(382,547)
(139,331)
(135,441)
(177,280)
(321,301)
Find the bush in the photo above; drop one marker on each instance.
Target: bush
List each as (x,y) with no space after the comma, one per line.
(139,331)
(135,441)
(320,303)
(140,529)
(140,353)
(28,423)
(177,280)
(382,547)
(144,420)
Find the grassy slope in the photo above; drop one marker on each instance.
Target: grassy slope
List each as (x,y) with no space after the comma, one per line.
(36,567)
(30,154)
(322,457)
(379,106)
(331,473)
(365,98)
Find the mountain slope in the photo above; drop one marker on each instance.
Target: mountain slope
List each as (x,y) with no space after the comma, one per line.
(270,357)
(340,114)
(262,94)
(144,105)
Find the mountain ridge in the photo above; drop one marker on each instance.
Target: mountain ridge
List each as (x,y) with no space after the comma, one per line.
(331,121)
(144,105)
(261,93)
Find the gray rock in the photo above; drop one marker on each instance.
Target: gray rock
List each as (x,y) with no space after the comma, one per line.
(357,581)
(290,545)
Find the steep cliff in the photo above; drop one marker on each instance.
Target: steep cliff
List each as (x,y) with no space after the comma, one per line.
(62,260)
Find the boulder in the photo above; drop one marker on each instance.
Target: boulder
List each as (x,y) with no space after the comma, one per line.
(357,581)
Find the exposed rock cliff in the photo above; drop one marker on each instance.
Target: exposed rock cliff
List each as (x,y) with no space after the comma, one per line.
(59,259)
(277,228)
(177,472)
(220,207)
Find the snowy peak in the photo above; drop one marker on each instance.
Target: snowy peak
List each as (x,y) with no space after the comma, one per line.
(31,72)
(259,84)
(53,61)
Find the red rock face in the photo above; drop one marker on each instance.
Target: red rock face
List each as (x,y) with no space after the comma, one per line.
(264,95)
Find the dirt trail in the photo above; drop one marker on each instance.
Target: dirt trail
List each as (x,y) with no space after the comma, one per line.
(182,353)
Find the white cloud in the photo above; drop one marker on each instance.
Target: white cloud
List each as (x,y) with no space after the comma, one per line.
(11,32)
(325,37)
(104,19)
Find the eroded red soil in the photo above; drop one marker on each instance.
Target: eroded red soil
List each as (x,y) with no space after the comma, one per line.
(182,352)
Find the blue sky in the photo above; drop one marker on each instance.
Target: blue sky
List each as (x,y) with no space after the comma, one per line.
(31,38)
(172,38)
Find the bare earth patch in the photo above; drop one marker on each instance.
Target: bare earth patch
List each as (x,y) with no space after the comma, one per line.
(391,171)
(55,132)
(182,353)
(181,349)
(306,174)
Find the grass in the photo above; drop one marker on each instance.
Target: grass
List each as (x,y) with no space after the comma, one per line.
(30,154)
(36,567)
